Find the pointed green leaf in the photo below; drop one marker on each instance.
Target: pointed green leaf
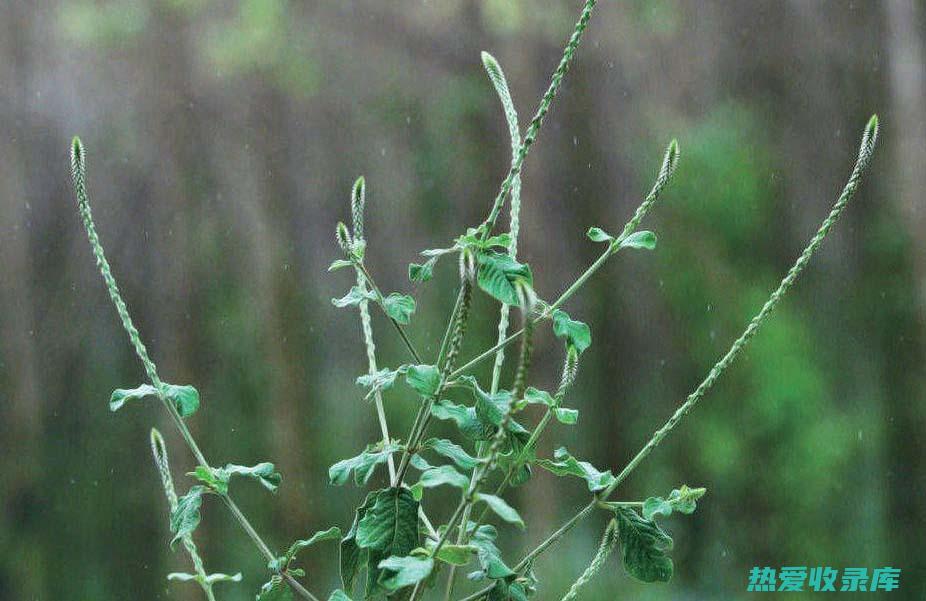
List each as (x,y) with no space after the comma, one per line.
(391,524)
(491,409)
(351,555)
(645,240)
(499,275)
(457,555)
(452,451)
(186,516)
(643,546)
(399,307)
(363,465)
(682,500)
(596,234)
(399,572)
(464,417)
(566,416)
(533,396)
(567,465)
(322,535)
(353,298)
(382,379)
(576,333)
(422,272)
(339,264)
(184,398)
(502,509)
(425,379)
(265,473)
(444,474)
(490,558)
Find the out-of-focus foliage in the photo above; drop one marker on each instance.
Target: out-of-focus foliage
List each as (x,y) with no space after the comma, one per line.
(225,135)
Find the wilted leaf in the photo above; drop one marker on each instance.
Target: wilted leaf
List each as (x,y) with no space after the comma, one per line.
(682,500)
(399,307)
(353,298)
(186,516)
(643,546)
(184,398)
(363,465)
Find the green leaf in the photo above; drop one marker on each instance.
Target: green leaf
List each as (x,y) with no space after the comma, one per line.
(643,546)
(566,416)
(399,307)
(339,595)
(452,451)
(399,572)
(645,240)
(489,557)
(596,234)
(339,264)
(533,396)
(322,535)
(491,409)
(567,465)
(363,465)
(445,474)
(501,509)
(382,379)
(499,275)
(184,398)
(464,417)
(682,500)
(425,379)
(276,589)
(186,516)
(265,473)
(353,298)
(576,333)
(422,272)
(213,478)
(457,555)
(391,524)
(351,555)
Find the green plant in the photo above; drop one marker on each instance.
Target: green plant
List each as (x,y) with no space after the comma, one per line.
(392,538)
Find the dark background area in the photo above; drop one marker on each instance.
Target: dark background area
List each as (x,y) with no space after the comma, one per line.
(223,138)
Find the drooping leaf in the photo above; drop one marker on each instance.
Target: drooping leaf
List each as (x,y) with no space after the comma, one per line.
(565,464)
(399,307)
(382,379)
(464,417)
(339,595)
(444,474)
(421,272)
(576,333)
(275,589)
(425,379)
(645,240)
(682,500)
(322,535)
(339,264)
(351,555)
(499,276)
(391,524)
(363,465)
(566,416)
(353,298)
(399,572)
(491,409)
(501,508)
(534,396)
(265,473)
(643,546)
(596,234)
(488,555)
(184,398)
(186,516)
(452,451)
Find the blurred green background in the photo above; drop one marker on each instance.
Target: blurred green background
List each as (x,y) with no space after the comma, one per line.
(223,138)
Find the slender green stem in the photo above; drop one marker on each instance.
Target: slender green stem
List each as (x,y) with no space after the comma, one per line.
(78,173)
(380,300)
(866,149)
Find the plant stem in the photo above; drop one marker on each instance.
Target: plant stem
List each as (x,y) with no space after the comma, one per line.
(380,301)
(78,173)
(869,138)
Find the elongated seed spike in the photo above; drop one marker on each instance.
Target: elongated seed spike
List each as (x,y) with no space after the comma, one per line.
(869,139)
(670,162)
(343,237)
(357,202)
